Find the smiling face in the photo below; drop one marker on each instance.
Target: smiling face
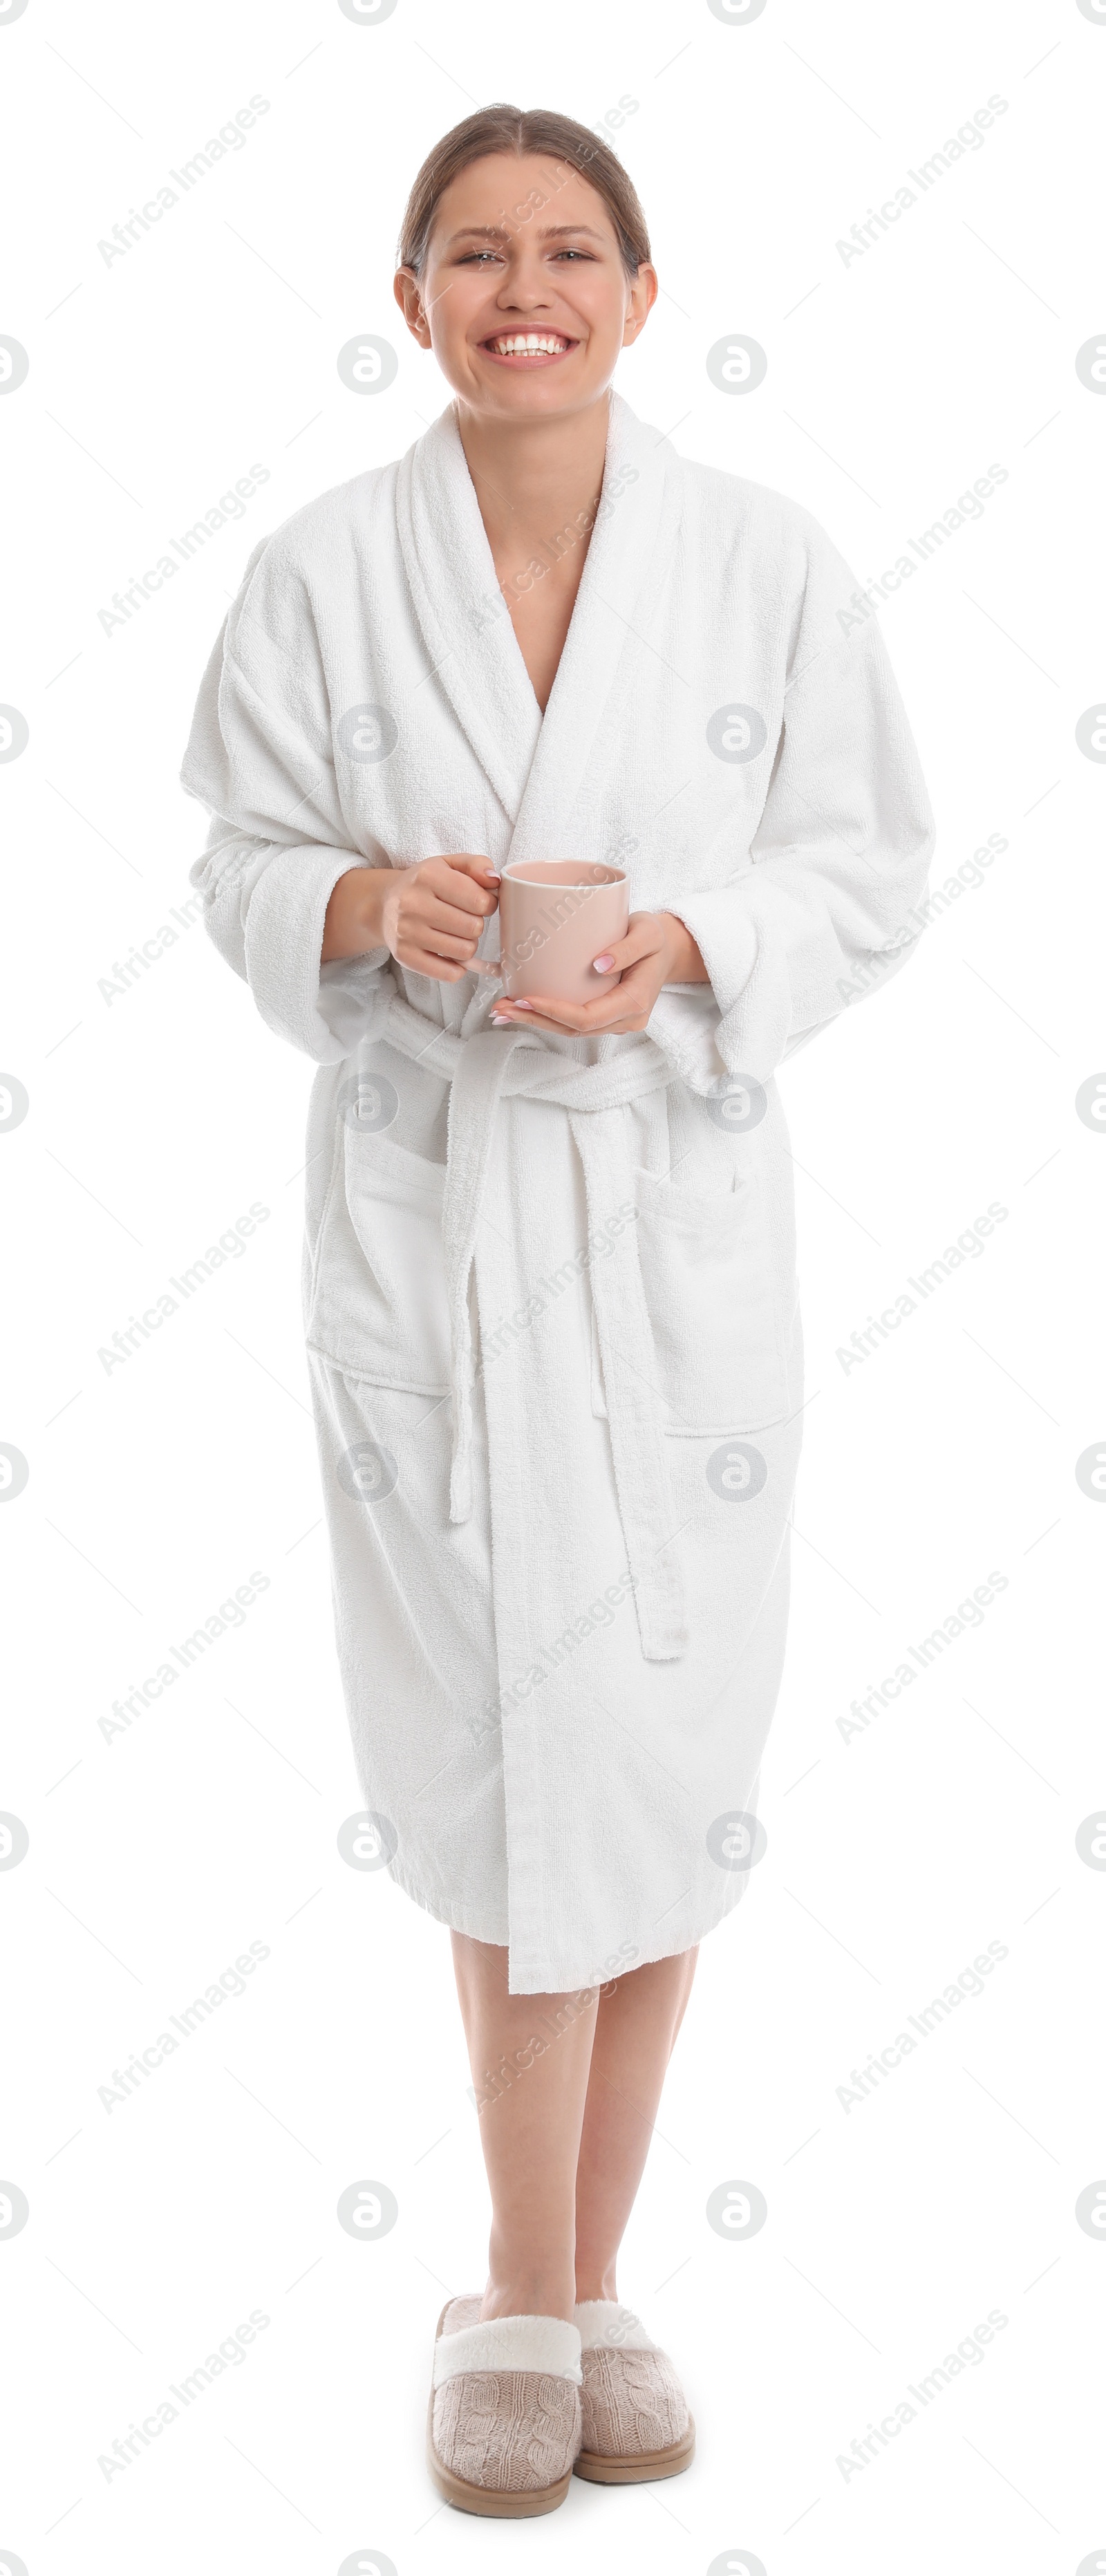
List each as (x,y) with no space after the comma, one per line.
(524,297)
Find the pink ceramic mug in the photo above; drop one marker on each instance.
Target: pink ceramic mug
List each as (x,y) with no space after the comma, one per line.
(555,916)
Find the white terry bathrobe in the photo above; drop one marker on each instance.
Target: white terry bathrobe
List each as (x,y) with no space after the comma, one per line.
(549,1283)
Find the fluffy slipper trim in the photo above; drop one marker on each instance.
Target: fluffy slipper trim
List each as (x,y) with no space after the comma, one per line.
(607,2322)
(548,2344)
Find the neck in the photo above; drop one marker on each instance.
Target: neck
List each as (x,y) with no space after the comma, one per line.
(530,475)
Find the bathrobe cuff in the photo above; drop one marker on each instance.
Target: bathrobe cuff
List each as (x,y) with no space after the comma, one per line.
(264,907)
(320,1008)
(694,1023)
(725,938)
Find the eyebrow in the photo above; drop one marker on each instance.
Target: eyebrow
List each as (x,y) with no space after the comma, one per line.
(499,232)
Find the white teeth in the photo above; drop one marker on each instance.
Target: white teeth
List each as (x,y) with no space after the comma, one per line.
(520,344)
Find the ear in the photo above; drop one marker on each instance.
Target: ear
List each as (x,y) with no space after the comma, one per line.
(408,295)
(642,297)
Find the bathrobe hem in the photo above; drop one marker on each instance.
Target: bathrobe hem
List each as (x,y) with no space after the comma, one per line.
(523,1981)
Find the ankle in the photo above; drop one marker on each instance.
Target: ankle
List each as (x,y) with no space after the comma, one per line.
(595,2285)
(530,2294)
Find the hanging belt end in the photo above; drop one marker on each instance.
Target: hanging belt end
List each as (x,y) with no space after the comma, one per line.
(460,1489)
(460,1466)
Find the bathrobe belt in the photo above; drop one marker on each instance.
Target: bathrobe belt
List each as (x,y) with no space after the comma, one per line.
(481,1070)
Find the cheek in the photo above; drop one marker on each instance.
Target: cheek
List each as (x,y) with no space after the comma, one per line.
(600,301)
(451,298)
(607,320)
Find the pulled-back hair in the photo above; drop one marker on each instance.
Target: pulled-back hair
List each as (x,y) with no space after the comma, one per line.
(502,128)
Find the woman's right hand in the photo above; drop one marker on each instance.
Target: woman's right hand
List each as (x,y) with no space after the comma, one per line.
(430,915)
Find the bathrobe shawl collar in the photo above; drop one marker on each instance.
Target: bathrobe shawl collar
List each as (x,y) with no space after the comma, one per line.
(535,765)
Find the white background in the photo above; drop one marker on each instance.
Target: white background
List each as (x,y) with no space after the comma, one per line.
(158,1116)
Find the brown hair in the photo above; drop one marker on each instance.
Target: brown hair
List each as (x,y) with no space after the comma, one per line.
(501,128)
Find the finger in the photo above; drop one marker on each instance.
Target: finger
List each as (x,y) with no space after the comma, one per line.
(440,943)
(456,894)
(475,882)
(572,1019)
(539,1020)
(428,914)
(577,1017)
(505,1019)
(420,961)
(471,863)
(642,939)
(635,991)
(447,908)
(632,999)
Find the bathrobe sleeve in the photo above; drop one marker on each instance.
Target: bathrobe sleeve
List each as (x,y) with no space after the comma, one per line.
(260,758)
(840,857)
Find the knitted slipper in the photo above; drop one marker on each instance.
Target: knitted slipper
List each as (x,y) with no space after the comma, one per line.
(635,2420)
(504,2421)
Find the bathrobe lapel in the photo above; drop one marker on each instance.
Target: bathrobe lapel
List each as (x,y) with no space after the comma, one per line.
(535,766)
(465,625)
(627,561)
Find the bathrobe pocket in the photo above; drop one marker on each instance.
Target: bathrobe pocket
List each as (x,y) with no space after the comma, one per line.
(378,1303)
(713,1300)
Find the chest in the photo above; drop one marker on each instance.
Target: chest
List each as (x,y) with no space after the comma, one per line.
(540,603)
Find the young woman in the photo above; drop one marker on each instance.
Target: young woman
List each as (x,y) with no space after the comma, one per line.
(549,1281)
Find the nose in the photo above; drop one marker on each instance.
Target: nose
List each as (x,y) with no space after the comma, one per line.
(524,288)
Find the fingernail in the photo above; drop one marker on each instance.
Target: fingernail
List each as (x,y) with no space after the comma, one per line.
(493,873)
(602,965)
(524,1006)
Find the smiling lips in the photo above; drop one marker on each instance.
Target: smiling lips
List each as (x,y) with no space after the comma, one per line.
(528,348)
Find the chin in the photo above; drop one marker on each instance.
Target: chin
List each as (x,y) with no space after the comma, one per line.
(538,393)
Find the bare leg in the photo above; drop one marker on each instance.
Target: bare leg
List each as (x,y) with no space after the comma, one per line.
(635,2032)
(529,2056)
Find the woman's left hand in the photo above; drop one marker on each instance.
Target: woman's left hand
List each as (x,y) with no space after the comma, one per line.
(656,951)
